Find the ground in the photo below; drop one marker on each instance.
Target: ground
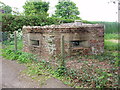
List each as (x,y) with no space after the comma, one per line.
(13,78)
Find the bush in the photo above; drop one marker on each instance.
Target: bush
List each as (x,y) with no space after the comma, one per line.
(12,22)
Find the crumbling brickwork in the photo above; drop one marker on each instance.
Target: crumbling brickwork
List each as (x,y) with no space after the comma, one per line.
(79,39)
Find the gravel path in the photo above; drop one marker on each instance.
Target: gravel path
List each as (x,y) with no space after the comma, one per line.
(11,77)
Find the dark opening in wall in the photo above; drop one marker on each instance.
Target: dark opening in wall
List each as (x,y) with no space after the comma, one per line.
(34,42)
(75,43)
(79,43)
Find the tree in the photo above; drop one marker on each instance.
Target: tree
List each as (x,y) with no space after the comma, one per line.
(67,9)
(5,8)
(36,7)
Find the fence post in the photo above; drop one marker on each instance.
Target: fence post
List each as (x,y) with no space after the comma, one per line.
(62,50)
(15,40)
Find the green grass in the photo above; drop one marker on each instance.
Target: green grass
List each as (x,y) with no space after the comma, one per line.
(111,36)
(111,46)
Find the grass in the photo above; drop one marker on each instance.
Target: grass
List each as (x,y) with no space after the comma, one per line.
(111,46)
(111,36)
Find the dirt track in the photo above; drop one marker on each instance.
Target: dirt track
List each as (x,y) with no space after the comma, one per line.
(11,77)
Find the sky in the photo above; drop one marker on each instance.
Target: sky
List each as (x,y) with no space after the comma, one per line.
(91,10)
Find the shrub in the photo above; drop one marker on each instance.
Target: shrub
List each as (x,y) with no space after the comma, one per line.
(12,22)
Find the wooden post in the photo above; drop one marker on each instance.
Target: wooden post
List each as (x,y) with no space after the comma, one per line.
(15,40)
(62,49)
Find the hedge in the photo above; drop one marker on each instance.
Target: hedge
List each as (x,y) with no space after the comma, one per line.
(12,22)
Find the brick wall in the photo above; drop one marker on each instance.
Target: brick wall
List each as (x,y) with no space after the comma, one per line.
(84,39)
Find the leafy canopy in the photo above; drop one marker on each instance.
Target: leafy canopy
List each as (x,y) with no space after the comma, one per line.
(5,8)
(36,7)
(67,9)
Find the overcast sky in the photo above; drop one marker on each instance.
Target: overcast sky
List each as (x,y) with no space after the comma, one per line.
(91,10)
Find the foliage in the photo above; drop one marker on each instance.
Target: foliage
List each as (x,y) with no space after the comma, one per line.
(112,57)
(88,78)
(4,35)
(61,20)
(12,22)
(37,69)
(36,8)
(8,51)
(21,57)
(103,78)
(6,8)
(10,45)
(10,54)
(66,9)
(61,71)
(89,22)
(92,74)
